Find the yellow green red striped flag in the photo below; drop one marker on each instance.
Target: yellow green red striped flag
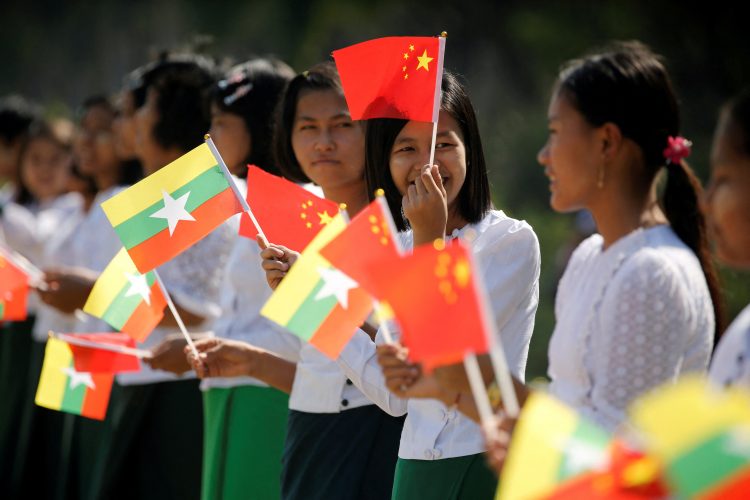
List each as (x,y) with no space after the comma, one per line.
(317,302)
(127,300)
(62,388)
(173,208)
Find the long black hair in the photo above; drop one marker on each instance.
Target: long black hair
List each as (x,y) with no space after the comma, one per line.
(474,199)
(628,85)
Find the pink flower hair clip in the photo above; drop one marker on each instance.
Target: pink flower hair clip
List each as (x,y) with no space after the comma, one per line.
(678,148)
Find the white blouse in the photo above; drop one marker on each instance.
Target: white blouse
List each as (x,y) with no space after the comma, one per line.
(629,318)
(507,253)
(731,363)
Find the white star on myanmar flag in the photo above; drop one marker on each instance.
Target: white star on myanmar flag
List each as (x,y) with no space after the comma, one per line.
(78,378)
(138,286)
(337,284)
(173,210)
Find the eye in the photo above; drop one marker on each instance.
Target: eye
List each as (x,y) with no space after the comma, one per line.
(404,149)
(346,124)
(443,145)
(306,126)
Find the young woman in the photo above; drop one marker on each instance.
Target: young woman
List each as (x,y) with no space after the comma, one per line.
(728,203)
(244,418)
(338,444)
(441,452)
(638,304)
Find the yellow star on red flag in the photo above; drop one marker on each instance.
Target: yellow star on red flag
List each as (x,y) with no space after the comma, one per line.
(424,60)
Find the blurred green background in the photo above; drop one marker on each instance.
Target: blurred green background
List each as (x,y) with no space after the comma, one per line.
(59,52)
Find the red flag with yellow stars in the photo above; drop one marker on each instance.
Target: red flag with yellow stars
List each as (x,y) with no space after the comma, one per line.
(436,301)
(393,77)
(367,239)
(288,214)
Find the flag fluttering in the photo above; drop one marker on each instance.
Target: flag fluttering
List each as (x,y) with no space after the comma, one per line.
(171,209)
(393,77)
(14,290)
(127,300)
(289,214)
(63,388)
(317,302)
(102,352)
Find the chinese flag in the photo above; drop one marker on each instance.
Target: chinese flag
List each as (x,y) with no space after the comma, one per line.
(436,301)
(93,360)
(288,214)
(367,239)
(393,77)
(14,289)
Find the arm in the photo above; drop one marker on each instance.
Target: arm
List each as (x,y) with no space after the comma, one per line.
(67,288)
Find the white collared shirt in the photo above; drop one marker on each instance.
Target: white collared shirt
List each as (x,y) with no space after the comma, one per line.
(731,363)
(507,253)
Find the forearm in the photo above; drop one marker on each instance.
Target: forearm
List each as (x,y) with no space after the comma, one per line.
(273,370)
(188,318)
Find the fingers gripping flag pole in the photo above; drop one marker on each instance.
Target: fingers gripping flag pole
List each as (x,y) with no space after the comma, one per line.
(233,184)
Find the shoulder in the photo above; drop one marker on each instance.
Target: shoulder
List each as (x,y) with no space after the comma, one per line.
(497,230)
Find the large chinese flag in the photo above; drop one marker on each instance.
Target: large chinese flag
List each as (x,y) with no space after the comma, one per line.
(393,77)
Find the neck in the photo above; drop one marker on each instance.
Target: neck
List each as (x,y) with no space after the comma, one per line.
(455,220)
(106,180)
(618,212)
(354,195)
(162,159)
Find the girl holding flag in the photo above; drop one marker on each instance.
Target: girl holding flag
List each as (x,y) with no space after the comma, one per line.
(441,452)
(338,444)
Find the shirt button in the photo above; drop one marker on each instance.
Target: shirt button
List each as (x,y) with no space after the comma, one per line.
(437,453)
(428,454)
(344,402)
(348,382)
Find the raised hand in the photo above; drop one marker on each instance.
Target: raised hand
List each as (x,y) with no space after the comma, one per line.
(277,261)
(221,358)
(425,205)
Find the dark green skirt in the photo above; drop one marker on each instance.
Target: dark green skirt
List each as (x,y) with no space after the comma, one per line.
(460,478)
(243,440)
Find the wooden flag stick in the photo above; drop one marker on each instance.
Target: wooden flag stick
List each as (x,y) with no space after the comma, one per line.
(74,340)
(176,315)
(233,184)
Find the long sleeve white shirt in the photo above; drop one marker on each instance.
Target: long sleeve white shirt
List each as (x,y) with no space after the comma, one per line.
(507,253)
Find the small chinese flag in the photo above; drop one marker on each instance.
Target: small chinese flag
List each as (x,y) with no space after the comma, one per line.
(14,289)
(393,77)
(436,301)
(367,239)
(289,215)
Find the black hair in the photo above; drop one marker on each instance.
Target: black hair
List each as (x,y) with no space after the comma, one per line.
(16,115)
(736,117)
(320,77)
(41,130)
(251,90)
(181,87)
(628,85)
(474,199)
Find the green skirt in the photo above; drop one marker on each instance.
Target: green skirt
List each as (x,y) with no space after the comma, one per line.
(243,439)
(460,478)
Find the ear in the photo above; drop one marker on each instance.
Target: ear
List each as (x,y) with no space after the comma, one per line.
(611,140)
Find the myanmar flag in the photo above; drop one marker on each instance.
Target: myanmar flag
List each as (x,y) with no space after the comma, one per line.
(288,214)
(393,77)
(63,388)
(551,444)
(317,302)
(702,436)
(127,300)
(173,208)
(436,301)
(367,239)
(14,289)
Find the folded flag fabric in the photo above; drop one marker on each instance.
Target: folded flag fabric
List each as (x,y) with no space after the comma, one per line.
(14,290)
(702,436)
(173,208)
(63,388)
(98,352)
(551,444)
(288,214)
(367,239)
(393,77)
(441,312)
(127,300)
(317,302)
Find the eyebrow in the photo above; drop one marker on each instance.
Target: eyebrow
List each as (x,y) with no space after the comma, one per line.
(442,134)
(335,117)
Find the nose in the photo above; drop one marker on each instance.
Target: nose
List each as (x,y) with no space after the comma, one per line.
(543,155)
(324,141)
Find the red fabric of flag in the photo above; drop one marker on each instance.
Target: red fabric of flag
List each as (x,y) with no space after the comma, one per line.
(14,290)
(392,77)
(288,214)
(436,302)
(367,239)
(93,360)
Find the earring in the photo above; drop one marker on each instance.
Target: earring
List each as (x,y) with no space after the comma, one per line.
(600,180)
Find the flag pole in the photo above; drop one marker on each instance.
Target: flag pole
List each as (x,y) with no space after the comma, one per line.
(478,390)
(176,315)
(383,323)
(233,184)
(438,95)
(73,340)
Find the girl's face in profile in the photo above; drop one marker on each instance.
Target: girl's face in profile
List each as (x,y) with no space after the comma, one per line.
(728,196)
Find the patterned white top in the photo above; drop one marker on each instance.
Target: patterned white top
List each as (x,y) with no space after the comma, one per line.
(629,318)
(731,363)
